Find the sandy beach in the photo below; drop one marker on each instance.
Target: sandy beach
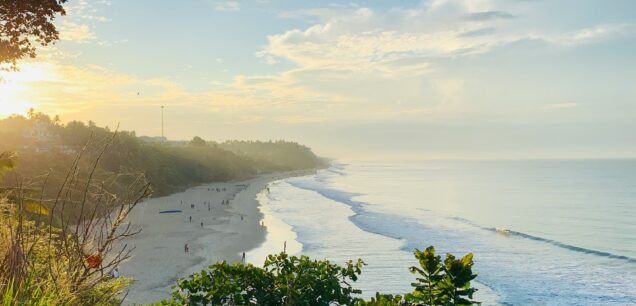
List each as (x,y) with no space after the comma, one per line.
(216,232)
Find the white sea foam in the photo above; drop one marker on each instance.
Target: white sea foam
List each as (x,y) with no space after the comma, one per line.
(381,212)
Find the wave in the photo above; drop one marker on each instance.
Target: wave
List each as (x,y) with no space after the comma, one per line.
(332,170)
(509,232)
(357,206)
(569,246)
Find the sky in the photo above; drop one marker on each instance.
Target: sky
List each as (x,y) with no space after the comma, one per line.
(355,80)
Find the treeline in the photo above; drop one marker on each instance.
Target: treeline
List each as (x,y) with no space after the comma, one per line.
(44,144)
(280,153)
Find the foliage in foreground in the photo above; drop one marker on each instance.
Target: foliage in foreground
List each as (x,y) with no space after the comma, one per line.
(291,280)
(48,257)
(284,280)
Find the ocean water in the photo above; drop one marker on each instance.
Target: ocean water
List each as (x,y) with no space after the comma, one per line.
(571,224)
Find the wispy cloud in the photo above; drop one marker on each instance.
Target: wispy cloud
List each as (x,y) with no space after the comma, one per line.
(597,33)
(489,15)
(226,5)
(70,31)
(78,25)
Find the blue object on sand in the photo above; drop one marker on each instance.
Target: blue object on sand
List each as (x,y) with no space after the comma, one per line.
(170,211)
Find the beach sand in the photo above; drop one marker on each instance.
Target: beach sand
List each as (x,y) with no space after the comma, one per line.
(159,259)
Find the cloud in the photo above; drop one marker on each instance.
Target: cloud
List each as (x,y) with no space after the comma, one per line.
(489,15)
(227,5)
(81,18)
(362,42)
(70,31)
(597,33)
(57,87)
(478,32)
(87,11)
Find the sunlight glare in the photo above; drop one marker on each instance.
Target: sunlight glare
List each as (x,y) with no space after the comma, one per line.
(11,102)
(16,89)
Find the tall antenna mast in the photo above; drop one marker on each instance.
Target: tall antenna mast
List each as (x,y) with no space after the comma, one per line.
(163,139)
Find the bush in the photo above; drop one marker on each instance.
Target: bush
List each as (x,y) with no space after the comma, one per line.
(284,280)
(291,280)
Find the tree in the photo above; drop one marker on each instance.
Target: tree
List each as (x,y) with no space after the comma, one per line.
(446,283)
(431,275)
(198,142)
(284,280)
(25,24)
(456,283)
(302,281)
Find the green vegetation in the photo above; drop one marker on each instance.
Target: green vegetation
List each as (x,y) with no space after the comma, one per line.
(51,257)
(442,283)
(286,155)
(291,280)
(43,144)
(284,280)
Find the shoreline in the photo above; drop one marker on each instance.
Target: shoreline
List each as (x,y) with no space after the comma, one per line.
(159,260)
(279,235)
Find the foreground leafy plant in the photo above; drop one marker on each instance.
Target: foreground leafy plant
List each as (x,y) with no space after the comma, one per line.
(284,280)
(446,283)
(291,280)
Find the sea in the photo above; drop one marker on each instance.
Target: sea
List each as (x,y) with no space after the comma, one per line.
(543,232)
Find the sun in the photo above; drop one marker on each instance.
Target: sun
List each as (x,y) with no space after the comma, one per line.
(17,89)
(12,100)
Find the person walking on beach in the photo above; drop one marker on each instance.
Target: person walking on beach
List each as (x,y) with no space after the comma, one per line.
(241,217)
(201,224)
(243,259)
(185,248)
(190,219)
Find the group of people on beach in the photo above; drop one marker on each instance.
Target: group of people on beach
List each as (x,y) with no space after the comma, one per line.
(217,189)
(186,247)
